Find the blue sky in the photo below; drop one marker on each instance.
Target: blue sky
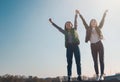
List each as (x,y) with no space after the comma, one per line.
(30,45)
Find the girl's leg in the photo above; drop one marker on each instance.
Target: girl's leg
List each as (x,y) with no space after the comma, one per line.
(101,57)
(95,57)
(69,55)
(77,59)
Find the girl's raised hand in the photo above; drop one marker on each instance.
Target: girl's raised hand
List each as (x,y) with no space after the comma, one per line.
(77,11)
(106,11)
(50,20)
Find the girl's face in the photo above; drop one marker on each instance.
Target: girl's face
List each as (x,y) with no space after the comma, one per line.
(93,23)
(68,25)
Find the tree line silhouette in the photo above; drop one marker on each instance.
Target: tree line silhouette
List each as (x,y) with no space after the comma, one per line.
(19,78)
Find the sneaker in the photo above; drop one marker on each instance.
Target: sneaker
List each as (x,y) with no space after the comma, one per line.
(79,78)
(69,78)
(97,78)
(101,77)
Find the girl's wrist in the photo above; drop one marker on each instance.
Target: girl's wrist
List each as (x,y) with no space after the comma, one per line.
(51,22)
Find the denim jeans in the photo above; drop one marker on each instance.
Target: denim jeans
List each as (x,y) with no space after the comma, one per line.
(97,49)
(70,50)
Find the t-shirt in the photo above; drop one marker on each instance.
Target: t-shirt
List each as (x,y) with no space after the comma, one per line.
(94,36)
(70,37)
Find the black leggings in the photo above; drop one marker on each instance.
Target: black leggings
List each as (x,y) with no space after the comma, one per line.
(97,50)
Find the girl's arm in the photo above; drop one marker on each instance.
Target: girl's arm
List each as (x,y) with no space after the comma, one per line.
(59,28)
(83,20)
(75,22)
(103,19)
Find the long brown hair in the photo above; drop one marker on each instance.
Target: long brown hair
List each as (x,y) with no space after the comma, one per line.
(91,22)
(97,29)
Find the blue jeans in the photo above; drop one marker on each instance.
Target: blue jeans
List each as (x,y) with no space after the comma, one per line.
(70,50)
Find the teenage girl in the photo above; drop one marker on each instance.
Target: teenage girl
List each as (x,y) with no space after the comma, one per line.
(71,44)
(94,35)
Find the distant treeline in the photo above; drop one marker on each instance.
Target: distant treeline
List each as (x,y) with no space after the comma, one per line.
(18,78)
